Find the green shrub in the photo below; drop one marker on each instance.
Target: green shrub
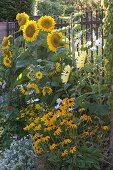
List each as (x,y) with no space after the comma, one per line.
(9,8)
(69,10)
(49,8)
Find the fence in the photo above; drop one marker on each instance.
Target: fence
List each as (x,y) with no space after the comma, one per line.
(85,30)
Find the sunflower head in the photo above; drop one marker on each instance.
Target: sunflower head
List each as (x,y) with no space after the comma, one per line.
(53,40)
(30,31)
(38,75)
(7,62)
(22,19)
(46,23)
(6,42)
(7,53)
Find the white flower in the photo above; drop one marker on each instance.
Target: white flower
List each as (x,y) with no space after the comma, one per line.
(79,34)
(93,48)
(76,42)
(70,109)
(59,101)
(94,36)
(98,42)
(57,106)
(66,73)
(88,43)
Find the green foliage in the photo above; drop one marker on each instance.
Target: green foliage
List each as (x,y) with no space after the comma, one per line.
(9,8)
(69,10)
(9,126)
(49,8)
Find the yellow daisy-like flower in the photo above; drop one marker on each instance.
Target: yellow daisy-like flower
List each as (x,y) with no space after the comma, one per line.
(58,131)
(106,128)
(22,19)
(7,62)
(46,90)
(53,40)
(53,146)
(64,153)
(23,91)
(67,141)
(66,73)
(73,149)
(39,75)
(46,23)
(86,118)
(30,31)
(34,86)
(6,42)
(46,138)
(7,53)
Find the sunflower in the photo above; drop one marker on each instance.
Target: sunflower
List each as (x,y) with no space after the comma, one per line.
(7,62)
(46,90)
(6,42)
(38,75)
(30,31)
(22,19)
(7,53)
(53,40)
(66,73)
(46,23)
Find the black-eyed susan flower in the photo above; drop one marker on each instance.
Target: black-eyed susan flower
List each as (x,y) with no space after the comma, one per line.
(67,141)
(53,40)
(34,86)
(73,149)
(39,75)
(6,42)
(38,127)
(46,23)
(46,90)
(30,31)
(106,128)
(86,118)
(23,91)
(66,73)
(58,131)
(7,62)
(64,153)
(45,139)
(22,19)
(53,146)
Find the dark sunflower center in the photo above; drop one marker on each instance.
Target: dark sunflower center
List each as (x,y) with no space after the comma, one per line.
(30,30)
(7,53)
(46,24)
(55,40)
(7,61)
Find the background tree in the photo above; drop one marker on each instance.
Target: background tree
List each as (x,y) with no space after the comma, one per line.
(9,8)
(108,27)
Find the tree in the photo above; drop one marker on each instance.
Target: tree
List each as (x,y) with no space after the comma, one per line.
(9,8)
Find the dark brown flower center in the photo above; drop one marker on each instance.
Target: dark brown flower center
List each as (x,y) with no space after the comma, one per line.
(30,30)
